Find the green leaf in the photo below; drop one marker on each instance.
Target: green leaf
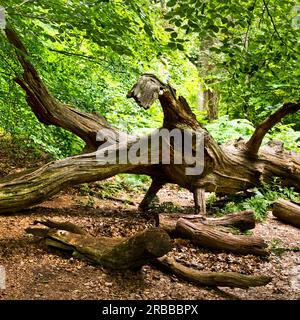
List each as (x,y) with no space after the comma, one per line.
(171,3)
(172,45)
(180,46)
(214,28)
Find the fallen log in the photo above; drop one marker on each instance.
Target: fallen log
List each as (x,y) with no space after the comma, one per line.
(243,221)
(287,211)
(213,238)
(206,278)
(113,253)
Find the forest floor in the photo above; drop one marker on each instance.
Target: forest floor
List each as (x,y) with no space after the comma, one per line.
(32,272)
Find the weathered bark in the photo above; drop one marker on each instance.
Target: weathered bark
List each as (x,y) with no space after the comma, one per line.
(205,278)
(287,211)
(156,185)
(253,145)
(244,220)
(212,237)
(227,169)
(200,203)
(21,192)
(113,253)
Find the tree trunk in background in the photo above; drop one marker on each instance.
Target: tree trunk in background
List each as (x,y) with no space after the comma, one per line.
(211,104)
(208,102)
(208,98)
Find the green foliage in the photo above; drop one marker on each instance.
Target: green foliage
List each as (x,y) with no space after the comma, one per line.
(264,197)
(286,134)
(118,184)
(224,130)
(89,53)
(133,182)
(164,207)
(246,50)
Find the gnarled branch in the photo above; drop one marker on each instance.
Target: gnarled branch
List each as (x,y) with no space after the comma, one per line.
(253,145)
(47,108)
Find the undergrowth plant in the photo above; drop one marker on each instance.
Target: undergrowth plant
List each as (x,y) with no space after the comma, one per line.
(118,184)
(263,199)
(224,130)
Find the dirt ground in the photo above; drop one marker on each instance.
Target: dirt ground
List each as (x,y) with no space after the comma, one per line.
(32,272)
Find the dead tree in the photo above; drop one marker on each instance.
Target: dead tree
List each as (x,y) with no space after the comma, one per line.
(228,169)
(149,246)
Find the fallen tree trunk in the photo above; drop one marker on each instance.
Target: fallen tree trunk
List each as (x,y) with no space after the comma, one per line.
(287,211)
(210,237)
(205,278)
(118,254)
(19,192)
(243,221)
(224,169)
